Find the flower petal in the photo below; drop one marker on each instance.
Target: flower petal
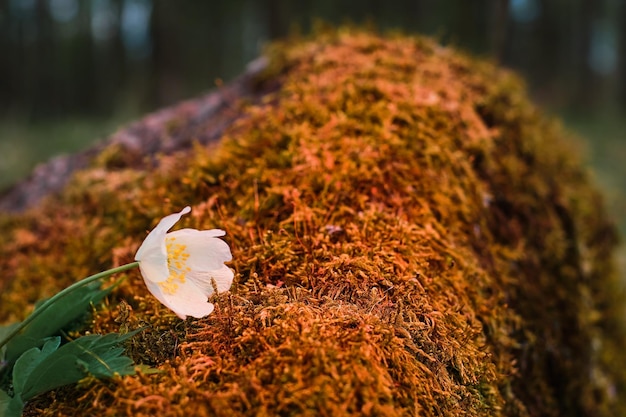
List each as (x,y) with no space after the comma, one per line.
(152,254)
(186,300)
(223,278)
(206,252)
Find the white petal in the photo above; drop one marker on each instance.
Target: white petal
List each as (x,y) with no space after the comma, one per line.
(206,251)
(187,300)
(152,254)
(223,278)
(154,271)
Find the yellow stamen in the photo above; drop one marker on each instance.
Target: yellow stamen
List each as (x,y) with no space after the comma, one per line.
(177,265)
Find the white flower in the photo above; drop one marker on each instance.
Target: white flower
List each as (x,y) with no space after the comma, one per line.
(179,267)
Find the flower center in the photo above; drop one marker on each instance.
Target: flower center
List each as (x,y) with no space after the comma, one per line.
(177,256)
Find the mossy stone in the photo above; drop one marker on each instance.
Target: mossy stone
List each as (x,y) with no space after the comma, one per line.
(410,235)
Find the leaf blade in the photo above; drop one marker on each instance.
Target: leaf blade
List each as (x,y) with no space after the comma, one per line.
(57,317)
(29,361)
(97,355)
(10,406)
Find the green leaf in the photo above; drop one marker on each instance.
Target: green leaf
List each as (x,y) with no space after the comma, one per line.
(59,316)
(5,366)
(4,332)
(10,406)
(29,361)
(96,355)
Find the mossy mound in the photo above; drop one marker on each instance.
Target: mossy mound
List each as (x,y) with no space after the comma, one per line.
(410,237)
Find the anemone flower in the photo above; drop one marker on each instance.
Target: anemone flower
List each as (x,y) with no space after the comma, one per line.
(182,268)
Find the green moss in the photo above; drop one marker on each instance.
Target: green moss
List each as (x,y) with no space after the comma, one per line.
(410,235)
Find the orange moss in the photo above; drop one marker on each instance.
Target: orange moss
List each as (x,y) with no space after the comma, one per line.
(410,235)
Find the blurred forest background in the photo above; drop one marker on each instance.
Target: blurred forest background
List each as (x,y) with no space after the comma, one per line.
(72,71)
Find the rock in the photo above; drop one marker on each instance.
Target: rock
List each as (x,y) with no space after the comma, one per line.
(410,236)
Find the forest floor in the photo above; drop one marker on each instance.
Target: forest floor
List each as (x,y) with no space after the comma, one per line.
(604,137)
(604,141)
(23,145)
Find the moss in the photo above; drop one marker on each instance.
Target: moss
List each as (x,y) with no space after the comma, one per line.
(411,236)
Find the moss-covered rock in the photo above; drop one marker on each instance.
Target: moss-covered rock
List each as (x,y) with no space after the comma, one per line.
(410,237)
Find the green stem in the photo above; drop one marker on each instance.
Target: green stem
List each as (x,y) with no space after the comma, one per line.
(50,301)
